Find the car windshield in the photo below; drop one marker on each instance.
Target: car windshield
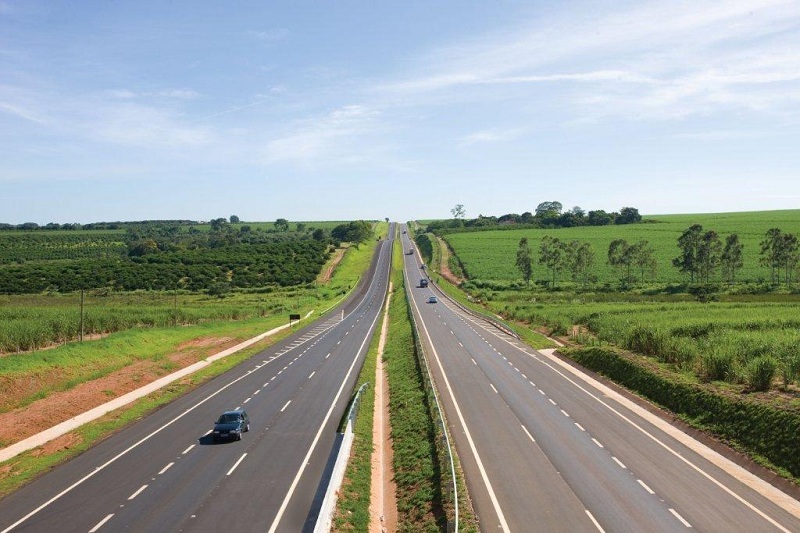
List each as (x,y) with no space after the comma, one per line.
(228,418)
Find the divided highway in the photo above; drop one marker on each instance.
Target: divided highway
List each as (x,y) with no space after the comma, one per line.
(164,474)
(546,448)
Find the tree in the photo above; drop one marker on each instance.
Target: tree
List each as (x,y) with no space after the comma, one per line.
(628,215)
(234,219)
(789,255)
(525,260)
(621,256)
(731,257)
(458,211)
(644,257)
(599,218)
(548,208)
(551,255)
(282,224)
(301,227)
(580,260)
(689,242)
(709,252)
(356,232)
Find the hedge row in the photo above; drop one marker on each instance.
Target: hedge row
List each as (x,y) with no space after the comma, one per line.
(756,428)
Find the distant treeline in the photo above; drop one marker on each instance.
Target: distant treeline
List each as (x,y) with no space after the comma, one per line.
(546,215)
(170,255)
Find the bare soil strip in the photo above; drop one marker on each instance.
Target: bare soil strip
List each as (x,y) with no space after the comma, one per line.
(383,504)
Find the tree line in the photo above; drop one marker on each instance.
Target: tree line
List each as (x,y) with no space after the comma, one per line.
(702,255)
(546,215)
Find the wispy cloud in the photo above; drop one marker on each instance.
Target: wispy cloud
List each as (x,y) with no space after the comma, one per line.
(275,34)
(491,136)
(333,137)
(657,60)
(21,112)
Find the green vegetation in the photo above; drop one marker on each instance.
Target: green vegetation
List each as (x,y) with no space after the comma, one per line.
(489,257)
(169,255)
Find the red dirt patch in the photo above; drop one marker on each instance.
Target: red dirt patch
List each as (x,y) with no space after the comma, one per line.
(57,407)
(64,442)
(328,272)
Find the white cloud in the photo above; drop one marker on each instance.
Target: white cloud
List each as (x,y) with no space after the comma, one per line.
(21,112)
(658,60)
(491,136)
(334,137)
(275,34)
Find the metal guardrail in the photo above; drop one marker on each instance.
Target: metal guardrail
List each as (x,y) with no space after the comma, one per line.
(444,447)
(325,516)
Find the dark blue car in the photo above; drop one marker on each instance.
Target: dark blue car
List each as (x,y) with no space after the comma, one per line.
(231,425)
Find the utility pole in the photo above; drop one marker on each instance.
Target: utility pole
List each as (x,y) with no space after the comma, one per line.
(81,337)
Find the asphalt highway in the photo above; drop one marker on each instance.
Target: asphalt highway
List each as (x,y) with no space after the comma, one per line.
(545,447)
(163,473)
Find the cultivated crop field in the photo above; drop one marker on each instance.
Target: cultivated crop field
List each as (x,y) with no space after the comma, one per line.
(490,255)
(729,341)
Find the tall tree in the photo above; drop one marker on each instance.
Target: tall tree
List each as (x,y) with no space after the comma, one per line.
(628,215)
(689,242)
(789,255)
(621,256)
(580,260)
(282,224)
(731,257)
(643,256)
(772,252)
(551,255)
(525,260)
(709,252)
(458,211)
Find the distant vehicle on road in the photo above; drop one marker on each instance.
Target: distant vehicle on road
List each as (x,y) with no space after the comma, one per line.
(432,300)
(410,251)
(230,425)
(423,283)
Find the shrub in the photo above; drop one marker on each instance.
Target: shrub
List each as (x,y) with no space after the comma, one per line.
(760,372)
(716,365)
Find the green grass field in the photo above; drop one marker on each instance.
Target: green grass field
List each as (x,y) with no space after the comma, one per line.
(491,255)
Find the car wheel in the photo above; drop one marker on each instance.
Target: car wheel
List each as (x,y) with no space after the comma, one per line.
(239,436)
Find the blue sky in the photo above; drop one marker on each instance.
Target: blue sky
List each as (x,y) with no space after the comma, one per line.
(345,110)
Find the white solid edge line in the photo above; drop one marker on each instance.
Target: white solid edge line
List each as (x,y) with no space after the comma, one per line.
(237,464)
(467,434)
(594,521)
(296,480)
(528,433)
(101,523)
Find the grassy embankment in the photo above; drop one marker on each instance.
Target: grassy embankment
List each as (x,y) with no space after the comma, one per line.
(79,362)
